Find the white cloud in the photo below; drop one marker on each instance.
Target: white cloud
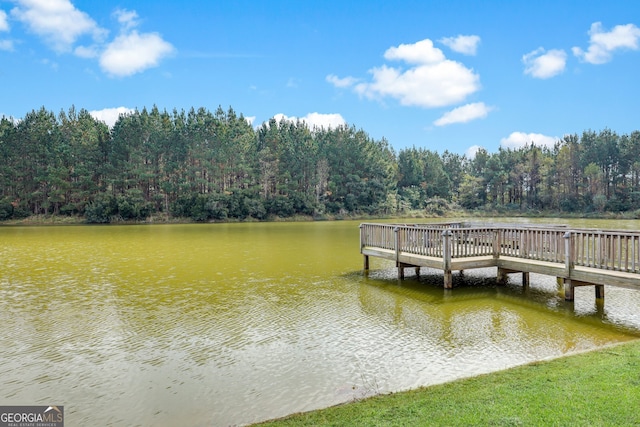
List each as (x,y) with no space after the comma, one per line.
(316,120)
(422,52)
(467,45)
(110,115)
(58,22)
(132,53)
(6,45)
(49,63)
(471,151)
(521,139)
(4,23)
(464,114)
(128,19)
(324,120)
(250,119)
(341,82)
(602,44)
(544,65)
(431,81)
(87,51)
(61,25)
(10,118)
(435,85)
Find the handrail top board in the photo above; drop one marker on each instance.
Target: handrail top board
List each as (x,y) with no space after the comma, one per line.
(505,226)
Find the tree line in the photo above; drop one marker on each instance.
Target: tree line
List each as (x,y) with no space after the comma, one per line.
(207,166)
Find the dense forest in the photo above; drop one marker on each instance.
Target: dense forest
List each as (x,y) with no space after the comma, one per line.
(207,166)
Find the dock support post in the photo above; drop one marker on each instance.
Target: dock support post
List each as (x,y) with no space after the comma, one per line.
(418,271)
(502,276)
(446,258)
(599,291)
(568,264)
(568,290)
(396,232)
(366,257)
(448,279)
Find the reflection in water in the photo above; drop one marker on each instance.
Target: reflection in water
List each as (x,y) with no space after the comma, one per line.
(234,323)
(481,327)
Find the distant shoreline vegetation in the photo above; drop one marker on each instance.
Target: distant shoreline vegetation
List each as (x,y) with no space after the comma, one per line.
(203,166)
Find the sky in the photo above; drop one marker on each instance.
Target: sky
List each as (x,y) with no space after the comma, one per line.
(440,75)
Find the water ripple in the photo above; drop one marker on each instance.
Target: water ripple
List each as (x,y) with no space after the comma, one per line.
(170,329)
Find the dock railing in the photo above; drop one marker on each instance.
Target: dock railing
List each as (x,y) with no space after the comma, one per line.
(600,249)
(607,250)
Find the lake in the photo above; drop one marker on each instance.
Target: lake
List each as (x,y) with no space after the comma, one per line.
(229,324)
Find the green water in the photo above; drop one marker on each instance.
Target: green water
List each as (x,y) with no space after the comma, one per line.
(228,324)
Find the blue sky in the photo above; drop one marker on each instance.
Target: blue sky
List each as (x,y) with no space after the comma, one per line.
(441,75)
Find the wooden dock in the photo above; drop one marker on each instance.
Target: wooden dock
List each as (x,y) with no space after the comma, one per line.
(577,257)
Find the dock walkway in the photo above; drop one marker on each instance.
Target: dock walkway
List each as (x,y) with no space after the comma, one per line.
(578,257)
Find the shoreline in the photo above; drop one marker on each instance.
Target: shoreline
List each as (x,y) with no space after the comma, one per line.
(474,401)
(36,220)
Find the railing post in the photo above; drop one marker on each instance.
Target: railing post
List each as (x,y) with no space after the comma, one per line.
(568,253)
(496,244)
(362,243)
(446,258)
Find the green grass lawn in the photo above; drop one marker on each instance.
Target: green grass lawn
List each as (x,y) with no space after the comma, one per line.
(599,388)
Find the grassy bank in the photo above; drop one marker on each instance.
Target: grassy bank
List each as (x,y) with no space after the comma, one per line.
(599,388)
